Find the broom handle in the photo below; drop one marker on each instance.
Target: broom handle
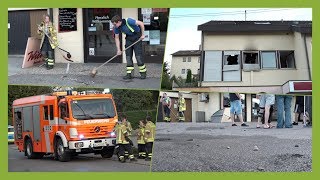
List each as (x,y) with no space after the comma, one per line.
(117,54)
(53,41)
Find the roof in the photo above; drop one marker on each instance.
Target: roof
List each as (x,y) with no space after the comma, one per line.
(187,53)
(257,26)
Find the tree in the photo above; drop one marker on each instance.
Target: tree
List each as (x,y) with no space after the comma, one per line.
(166,83)
(188,80)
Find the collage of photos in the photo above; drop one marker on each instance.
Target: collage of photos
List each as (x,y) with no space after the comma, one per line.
(160,90)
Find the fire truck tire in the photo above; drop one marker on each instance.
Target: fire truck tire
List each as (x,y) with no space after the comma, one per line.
(29,151)
(61,151)
(107,152)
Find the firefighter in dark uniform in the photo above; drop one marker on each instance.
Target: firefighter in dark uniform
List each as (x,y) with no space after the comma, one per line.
(48,41)
(124,144)
(134,31)
(149,134)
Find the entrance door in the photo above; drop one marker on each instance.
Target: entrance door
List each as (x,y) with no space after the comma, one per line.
(18,31)
(99,44)
(156,22)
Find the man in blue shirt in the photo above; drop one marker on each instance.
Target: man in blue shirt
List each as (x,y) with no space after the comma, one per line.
(134,31)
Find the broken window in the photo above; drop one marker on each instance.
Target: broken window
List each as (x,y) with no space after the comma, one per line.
(286,59)
(231,59)
(269,59)
(250,60)
(250,57)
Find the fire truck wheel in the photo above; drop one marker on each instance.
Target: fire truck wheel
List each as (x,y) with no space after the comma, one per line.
(29,151)
(62,153)
(107,152)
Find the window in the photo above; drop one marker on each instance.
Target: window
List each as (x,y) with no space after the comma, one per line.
(212,66)
(18,122)
(250,57)
(250,61)
(45,113)
(189,59)
(184,59)
(269,60)
(64,112)
(231,59)
(51,112)
(183,71)
(286,59)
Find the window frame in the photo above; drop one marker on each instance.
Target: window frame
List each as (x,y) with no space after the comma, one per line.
(294,60)
(276,60)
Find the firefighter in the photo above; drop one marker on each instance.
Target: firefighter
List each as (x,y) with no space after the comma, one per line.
(124,144)
(166,103)
(48,41)
(182,108)
(149,133)
(134,31)
(141,142)
(129,130)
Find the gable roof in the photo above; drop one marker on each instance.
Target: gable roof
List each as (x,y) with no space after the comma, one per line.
(187,53)
(257,26)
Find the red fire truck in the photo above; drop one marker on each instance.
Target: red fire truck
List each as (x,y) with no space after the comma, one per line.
(65,124)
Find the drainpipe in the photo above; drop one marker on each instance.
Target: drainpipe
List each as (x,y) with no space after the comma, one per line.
(201,75)
(307,56)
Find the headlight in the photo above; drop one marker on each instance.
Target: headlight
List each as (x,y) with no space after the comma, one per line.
(112,134)
(81,136)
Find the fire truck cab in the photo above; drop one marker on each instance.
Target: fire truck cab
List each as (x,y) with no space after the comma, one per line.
(65,124)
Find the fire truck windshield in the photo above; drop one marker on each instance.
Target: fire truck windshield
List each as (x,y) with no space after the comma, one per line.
(92,109)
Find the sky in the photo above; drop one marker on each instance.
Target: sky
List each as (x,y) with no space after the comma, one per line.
(182,33)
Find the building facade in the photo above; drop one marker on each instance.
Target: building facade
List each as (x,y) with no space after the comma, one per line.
(182,61)
(251,57)
(215,107)
(87,33)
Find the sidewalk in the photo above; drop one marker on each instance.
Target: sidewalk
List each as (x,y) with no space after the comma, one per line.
(108,76)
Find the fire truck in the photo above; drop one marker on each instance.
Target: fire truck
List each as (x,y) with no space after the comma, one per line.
(65,124)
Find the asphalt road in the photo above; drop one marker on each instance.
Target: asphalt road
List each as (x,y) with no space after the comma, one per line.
(17,162)
(220,147)
(78,75)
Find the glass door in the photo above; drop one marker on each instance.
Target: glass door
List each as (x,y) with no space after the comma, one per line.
(99,43)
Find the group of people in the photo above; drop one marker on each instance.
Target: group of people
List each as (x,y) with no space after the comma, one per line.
(167,104)
(266,107)
(145,139)
(133,29)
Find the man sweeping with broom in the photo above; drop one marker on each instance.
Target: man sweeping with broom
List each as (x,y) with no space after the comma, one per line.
(48,42)
(134,31)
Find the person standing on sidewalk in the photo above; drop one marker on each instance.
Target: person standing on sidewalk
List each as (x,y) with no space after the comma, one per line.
(284,105)
(134,31)
(266,109)
(149,133)
(166,104)
(48,41)
(182,107)
(140,141)
(129,130)
(235,108)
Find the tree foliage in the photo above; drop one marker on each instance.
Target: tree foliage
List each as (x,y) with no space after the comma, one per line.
(188,80)
(166,82)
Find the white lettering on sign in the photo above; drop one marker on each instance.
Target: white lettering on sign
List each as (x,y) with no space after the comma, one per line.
(96,121)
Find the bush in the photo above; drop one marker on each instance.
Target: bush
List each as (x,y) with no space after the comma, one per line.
(135,116)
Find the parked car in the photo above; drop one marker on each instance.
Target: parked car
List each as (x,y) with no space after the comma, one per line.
(10,134)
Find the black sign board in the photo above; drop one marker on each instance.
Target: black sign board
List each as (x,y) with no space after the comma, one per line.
(67,19)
